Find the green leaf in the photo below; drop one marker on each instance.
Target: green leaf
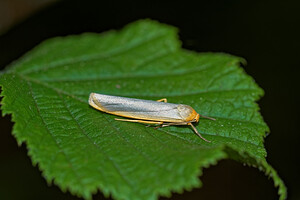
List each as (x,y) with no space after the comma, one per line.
(82,150)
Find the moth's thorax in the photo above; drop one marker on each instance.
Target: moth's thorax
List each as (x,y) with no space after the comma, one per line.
(188,113)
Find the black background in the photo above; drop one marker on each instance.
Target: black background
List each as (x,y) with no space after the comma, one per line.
(265,33)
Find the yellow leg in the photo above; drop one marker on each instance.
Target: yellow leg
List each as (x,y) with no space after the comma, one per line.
(195,130)
(164,100)
(175,124)
(139,121)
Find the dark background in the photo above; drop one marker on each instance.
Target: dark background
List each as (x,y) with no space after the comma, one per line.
(265,33)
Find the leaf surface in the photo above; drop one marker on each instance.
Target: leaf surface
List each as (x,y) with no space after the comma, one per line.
(83,150)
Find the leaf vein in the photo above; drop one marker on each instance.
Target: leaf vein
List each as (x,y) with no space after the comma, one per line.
(197,143)
(52,136)
(92,57)
(145,156)
(138,76)
(204,92)
(96,145)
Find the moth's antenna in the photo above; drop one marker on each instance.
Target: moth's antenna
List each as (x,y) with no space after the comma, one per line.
(198,133)
(207,117)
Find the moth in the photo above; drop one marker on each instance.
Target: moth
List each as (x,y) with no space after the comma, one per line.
(147,111)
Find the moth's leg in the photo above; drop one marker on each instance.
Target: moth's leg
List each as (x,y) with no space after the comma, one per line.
(162,100)
(184,123)
(174,124)
(139,121)
(165,124)
(195,130)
